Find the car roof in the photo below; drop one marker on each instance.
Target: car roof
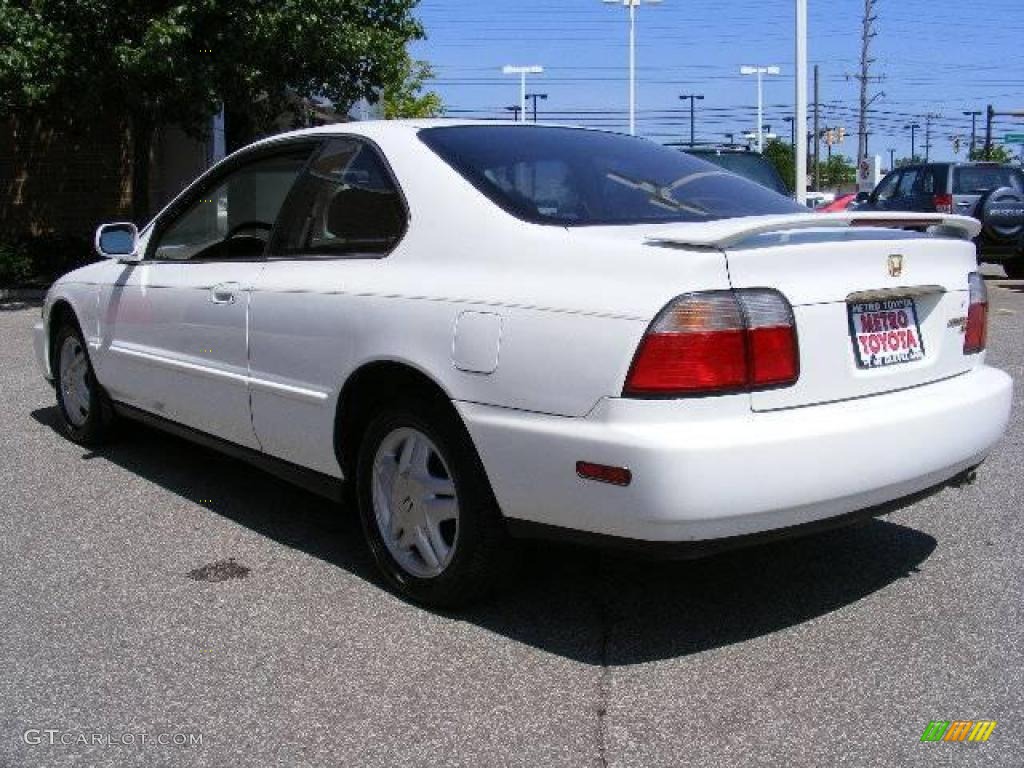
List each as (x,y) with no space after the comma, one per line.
(374,129)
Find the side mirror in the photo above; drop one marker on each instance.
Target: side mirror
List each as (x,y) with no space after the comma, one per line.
(118,241)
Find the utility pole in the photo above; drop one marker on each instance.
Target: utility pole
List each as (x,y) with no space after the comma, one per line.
(533,97)
(865,78)
(522,72)
(974,129)
(990,118)
(928,135)
(692,97)
(817,129)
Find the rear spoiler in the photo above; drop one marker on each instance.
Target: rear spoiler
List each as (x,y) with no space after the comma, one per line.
(730,232)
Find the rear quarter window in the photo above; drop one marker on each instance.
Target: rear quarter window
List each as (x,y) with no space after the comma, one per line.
(976,180)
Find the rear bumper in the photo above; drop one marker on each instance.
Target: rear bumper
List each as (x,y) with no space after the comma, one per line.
(700,477)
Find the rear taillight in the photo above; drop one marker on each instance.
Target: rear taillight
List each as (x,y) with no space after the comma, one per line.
(943,203)
(977,315)
(717,341)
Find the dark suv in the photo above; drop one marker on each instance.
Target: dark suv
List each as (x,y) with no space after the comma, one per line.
(990,192)
(741,161)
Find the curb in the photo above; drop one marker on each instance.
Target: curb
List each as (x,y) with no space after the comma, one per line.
(22,294)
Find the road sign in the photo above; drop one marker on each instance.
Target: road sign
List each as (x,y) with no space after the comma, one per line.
(1014,138)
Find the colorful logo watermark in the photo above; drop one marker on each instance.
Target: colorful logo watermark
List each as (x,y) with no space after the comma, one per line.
(958,730)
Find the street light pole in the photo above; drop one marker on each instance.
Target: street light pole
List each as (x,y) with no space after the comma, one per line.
(760,72)
(632,5)
(692,97)
(801,100)
(533,69)
(974,129)
(913,135)
(533,97)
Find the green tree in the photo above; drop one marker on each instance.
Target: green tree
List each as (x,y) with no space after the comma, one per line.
(838,170)
(405,98)
(781,155)
(158,63)
(998,153)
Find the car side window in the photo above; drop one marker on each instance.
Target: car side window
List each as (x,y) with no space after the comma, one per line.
(907,181)
(887,187)
(345,205)
(925,183)
(232,218)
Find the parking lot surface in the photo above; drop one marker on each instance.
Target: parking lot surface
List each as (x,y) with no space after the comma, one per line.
(153,587)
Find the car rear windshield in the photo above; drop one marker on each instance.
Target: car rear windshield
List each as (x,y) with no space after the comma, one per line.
(977,179)
(749,165)
(575,177)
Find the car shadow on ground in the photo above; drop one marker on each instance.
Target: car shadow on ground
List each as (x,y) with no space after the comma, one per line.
(593,607)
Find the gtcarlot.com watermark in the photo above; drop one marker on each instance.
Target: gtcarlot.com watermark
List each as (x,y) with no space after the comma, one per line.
(57,737)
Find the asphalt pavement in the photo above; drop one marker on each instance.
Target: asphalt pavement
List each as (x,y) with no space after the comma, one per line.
(155,591)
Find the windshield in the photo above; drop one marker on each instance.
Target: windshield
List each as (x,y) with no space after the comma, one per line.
(976,179)
(749,165)
(574,177)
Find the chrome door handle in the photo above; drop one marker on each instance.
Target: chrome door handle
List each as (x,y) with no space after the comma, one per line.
(223,293)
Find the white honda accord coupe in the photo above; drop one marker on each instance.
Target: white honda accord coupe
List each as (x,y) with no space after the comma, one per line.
(490,331)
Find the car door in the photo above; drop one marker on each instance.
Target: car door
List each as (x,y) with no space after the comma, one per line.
(326,265)
(175,327)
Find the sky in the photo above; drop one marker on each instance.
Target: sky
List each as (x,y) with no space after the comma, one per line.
(940,58)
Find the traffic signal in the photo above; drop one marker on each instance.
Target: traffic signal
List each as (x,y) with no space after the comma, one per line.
(842,135)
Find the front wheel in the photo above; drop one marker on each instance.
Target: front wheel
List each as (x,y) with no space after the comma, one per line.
(426,506)
(83,407)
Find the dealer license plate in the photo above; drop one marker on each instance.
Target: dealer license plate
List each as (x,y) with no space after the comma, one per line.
(885,333)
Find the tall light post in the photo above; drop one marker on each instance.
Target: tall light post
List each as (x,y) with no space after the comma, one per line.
(533,97)
(533,69)
(913,136)
(974,131)
(693,97)
(801,99)
(760,72)
(632,5)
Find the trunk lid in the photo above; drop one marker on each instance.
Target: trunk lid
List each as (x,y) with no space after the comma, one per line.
(898,282)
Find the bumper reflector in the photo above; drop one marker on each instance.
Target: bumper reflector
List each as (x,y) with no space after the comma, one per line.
(602,473)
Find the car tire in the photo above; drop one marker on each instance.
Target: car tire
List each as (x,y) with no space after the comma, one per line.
(993,231)
(416,468)
(86,412)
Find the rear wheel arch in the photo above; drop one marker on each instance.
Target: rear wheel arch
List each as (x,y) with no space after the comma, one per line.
(372,387)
